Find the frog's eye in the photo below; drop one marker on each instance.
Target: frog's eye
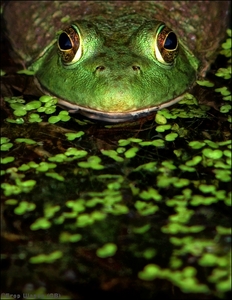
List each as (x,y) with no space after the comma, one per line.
(166,45)
(69,46)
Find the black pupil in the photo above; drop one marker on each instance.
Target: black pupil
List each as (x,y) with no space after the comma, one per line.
(171,41)
(64,41)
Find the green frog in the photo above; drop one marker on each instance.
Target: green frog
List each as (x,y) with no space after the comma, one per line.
(116,60)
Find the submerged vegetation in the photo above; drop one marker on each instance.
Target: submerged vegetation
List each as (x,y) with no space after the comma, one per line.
(142,207)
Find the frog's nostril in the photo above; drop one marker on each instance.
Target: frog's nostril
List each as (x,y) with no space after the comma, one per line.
(100,68)
(136,68)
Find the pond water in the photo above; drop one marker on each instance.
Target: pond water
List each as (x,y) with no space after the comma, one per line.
(132,210)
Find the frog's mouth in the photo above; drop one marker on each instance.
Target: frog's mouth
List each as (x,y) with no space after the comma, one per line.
(114,117)
(109,117)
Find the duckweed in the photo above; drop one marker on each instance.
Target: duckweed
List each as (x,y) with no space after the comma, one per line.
(7,160)
(49,211)
(149,253)
(74,135)
(150,272)
(223,175)
(26,141)
(34,118)
(151,167)
(45,166)
(160,119)
(194,161)
(171,137)
(58,158)
(202,200)
(207,188)
(55,175)
(23,207)
(208,260)
(141,230)
(130,153)
(76,205)
(93,162)
(33,105)
(206,83)
(162,128)
(75,152)
(225,108)
(150,194)
(40,223)
(11,202)
(156,143)
(145,209)
(107,250)
(112,154)
(6,146)
(53,119)
(46,258)
(84,220)
(66,237)
(20,187)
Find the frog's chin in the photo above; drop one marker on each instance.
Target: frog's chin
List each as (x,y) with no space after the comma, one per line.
(115,117)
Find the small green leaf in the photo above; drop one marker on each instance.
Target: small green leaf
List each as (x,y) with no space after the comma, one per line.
(205,83)
(107,250)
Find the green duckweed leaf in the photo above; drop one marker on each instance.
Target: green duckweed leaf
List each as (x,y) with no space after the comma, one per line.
(106,250)
(58,158)
(112,154)
(214,154)
(11,201)
(93,162)
(41,223)
(6,146)
(130,153)
(74,135)
(225,108)
(194,161)
(45,98)
(34,118)
(20,112)
(162,128)
(205,83)
(160,119)
(54,119)
(33,105)
(7,160)
(150,272)
(66,237)
(141,230)
(23,207)
(26,141)
(171,137)
(55,175)
(75,152)
(43,258)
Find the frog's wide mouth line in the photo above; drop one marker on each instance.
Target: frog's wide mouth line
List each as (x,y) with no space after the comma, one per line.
(110,117)
(115,117)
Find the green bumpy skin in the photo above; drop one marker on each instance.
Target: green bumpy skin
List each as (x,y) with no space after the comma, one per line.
(116,73)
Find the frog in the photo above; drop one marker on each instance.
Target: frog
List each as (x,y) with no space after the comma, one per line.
(116,61)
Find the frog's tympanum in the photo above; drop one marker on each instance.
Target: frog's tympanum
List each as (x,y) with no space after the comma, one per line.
(117,60)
